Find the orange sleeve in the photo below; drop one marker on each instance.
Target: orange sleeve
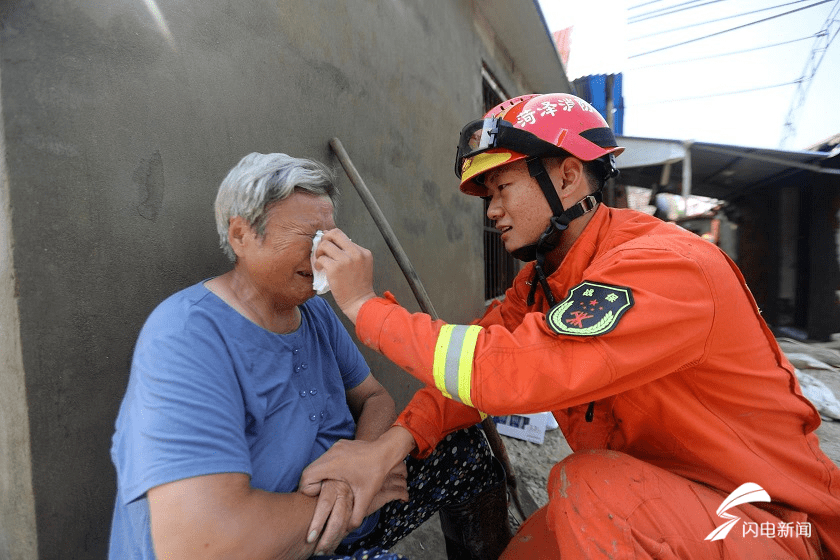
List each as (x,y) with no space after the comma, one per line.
(429,416)
(532,369)
(512,309)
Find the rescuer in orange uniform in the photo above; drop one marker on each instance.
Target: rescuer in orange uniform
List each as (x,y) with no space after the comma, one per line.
(640,337)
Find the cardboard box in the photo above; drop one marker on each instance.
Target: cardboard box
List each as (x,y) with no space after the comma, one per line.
(527,427)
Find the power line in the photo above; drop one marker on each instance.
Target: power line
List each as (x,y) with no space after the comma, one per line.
(636,7)
(719,55)
(716,20)
(706,96)
(670,10)
(727,30)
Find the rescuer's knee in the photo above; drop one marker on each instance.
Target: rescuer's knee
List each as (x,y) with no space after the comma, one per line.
(594,468)
(615,480)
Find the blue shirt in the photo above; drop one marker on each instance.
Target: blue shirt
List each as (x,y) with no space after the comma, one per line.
(211,392)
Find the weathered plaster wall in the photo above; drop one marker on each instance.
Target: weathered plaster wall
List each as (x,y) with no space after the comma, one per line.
(118,128)
(17,504)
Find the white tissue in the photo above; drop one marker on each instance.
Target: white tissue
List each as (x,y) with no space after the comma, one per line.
(319,278)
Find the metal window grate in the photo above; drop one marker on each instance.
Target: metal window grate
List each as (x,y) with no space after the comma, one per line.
(499,265)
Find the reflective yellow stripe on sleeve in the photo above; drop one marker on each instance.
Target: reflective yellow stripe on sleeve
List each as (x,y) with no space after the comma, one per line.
(453,361)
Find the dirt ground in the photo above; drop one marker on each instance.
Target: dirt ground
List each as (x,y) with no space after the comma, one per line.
(532,462)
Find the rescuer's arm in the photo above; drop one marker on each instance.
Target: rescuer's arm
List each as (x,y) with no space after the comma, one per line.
(530,367)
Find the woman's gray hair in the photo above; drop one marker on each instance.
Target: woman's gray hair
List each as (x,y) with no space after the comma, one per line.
(258,181)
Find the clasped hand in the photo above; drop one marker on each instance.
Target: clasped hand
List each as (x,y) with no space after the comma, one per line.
(348,464)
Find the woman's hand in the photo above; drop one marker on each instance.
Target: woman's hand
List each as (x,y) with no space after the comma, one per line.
(395,487)
(331,519)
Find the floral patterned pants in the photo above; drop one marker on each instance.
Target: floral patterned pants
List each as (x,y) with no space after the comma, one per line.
(459,468)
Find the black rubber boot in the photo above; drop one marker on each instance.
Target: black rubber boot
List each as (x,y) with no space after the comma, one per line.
(478,529)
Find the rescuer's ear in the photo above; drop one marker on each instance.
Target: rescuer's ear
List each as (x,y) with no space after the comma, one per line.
(569,179)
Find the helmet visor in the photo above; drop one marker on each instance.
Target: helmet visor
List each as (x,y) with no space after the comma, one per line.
(485,134)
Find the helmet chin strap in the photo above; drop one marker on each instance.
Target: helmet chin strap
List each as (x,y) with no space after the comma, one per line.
(558,223)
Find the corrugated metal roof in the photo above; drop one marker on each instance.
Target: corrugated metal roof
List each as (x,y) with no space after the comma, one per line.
(717,170)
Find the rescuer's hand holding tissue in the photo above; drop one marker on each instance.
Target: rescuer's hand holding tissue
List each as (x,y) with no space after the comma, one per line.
(351,268)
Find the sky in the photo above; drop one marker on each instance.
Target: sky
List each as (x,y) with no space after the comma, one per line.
(733,87)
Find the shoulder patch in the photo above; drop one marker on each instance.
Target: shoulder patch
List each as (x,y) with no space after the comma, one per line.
(590,309)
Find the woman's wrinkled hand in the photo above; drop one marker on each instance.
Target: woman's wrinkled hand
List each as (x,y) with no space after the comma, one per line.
(331,519)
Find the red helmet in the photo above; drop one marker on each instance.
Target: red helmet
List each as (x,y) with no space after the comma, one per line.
(532,125)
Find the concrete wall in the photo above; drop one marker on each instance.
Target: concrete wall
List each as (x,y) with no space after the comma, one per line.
(17,502)
(119,124)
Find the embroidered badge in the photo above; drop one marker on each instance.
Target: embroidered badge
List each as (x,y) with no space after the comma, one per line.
(591,309)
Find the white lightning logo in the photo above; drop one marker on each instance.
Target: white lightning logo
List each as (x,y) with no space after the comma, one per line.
(744,494)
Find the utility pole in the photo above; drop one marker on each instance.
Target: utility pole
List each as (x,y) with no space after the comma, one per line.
(803,84)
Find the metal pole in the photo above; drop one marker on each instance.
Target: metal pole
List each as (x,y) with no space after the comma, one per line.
(385,228)
(610,116)
(686,175)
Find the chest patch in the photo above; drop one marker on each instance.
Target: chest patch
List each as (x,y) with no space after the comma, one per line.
(591,309)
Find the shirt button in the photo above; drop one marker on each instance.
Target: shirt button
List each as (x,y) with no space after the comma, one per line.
(304,366)
(322,414)
(313,392)
(303,393)
(297,369)
(313,417)
(295,351)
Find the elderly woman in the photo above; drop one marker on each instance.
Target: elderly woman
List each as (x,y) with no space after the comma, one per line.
(241,381)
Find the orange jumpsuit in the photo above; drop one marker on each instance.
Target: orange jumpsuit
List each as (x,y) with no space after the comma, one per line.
(685,378)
